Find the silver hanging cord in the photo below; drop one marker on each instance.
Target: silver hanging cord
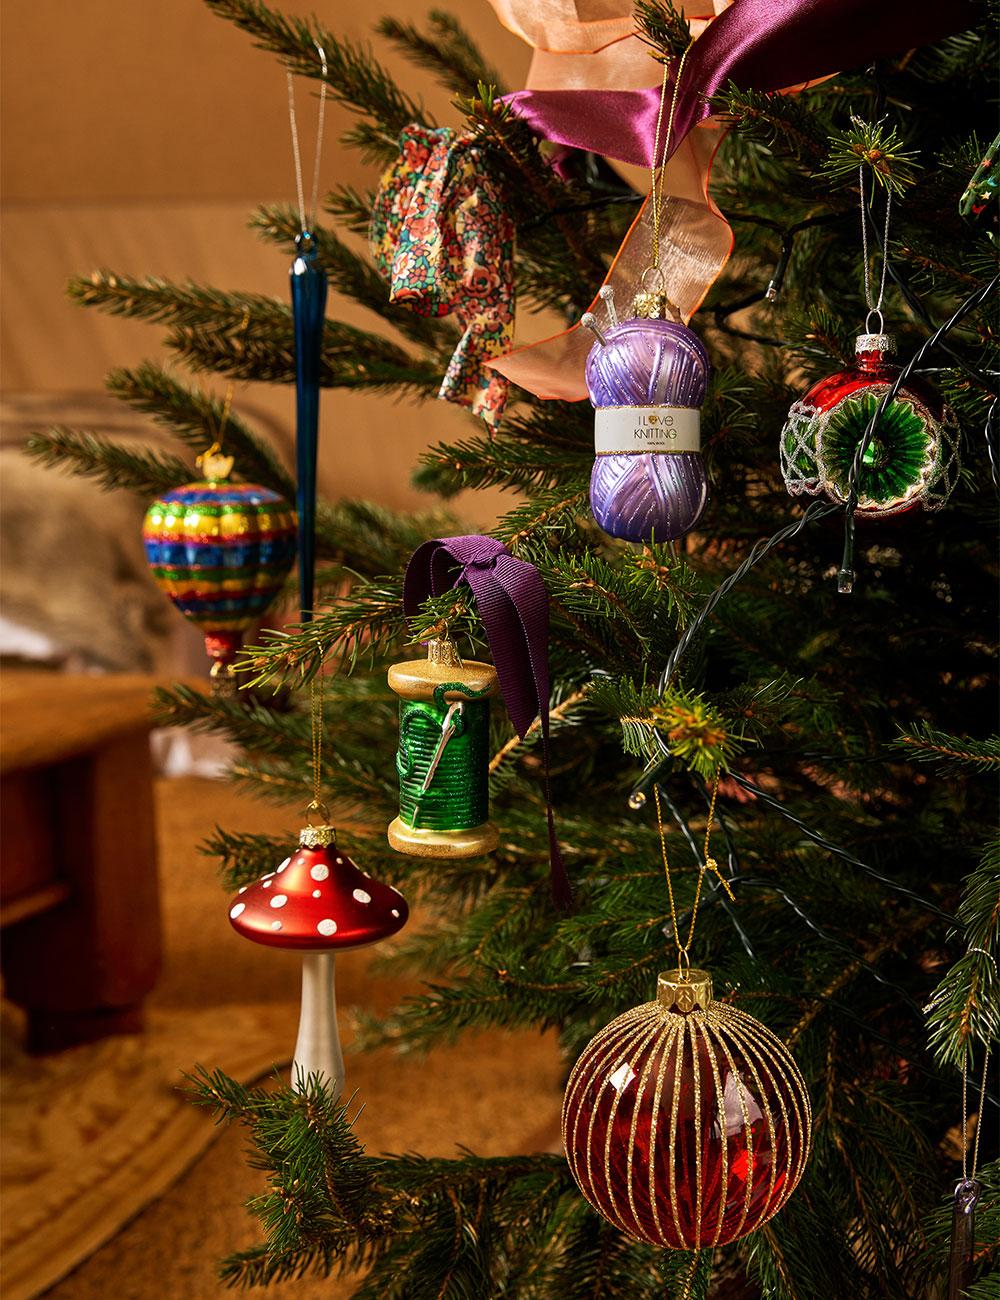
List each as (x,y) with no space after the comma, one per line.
(296,152)
(965,1116)
(874,308)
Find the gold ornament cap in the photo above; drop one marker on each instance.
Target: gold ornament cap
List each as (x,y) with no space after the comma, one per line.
(651,301)
(684,990)
(317,837)
(418,679)
(215,467)
(654,305)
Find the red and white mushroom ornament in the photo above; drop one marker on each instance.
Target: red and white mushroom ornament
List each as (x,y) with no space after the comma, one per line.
(318,901)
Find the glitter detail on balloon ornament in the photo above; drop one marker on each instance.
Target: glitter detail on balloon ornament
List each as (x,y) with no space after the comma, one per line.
(221,551)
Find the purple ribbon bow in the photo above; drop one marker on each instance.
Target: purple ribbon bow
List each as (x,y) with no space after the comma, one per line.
(514,607)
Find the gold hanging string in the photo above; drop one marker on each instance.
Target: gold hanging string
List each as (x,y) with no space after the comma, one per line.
(658,170)
(316,806)
(227,405)
(708,864)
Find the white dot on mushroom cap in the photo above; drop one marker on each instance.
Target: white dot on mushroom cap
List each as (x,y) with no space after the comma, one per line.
(320,871)
(242,889)
(266,884)
(327,927)
(317,893)
(279,900)
(275,925)
(284,864)
(362,896)
(238,910)
(340,862)
(395,912)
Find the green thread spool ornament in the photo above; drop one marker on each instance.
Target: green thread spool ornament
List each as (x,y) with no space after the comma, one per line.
(443,756)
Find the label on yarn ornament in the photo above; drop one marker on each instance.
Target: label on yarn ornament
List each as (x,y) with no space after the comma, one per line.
(627,430)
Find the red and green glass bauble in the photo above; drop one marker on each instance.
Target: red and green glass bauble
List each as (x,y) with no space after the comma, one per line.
(912,457)
(686,1122)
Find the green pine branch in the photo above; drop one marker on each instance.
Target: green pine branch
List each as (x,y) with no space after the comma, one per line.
(925,743)
(164,303)
(498,460)
(354,77)
(782,123)
(875,146)
(196,418)
(663,26)
(112,466)
(352,358)
(444,49)
(351,209)
(351,275)
(964,1011)
(368,539)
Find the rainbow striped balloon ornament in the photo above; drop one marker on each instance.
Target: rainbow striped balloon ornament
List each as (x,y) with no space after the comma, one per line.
(221,551)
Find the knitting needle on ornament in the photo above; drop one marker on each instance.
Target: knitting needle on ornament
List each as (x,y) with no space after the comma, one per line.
(590,321)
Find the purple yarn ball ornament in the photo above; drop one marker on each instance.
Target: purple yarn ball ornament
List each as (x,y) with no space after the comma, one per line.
(660,368)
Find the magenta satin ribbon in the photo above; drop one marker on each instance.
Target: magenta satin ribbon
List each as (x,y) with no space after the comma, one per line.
(759,44)
(514,606)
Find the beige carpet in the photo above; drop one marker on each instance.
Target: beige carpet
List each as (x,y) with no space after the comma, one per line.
(112,1181)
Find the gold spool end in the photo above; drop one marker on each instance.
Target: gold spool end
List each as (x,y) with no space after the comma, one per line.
(473,843)
(684,991)
(418,679)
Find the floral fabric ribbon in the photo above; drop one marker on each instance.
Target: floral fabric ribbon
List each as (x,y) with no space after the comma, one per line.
(442,238)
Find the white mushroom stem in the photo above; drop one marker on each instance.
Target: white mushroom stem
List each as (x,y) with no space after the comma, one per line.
(317,1050)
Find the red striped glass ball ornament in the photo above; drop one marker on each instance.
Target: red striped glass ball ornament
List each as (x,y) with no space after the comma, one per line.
(686,1122)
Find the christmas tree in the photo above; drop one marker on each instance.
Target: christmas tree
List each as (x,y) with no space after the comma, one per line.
(847,732)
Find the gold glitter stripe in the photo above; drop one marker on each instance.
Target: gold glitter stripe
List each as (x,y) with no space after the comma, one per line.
(677,1077)
(786,1073)
(746,1125)
(655,1030)
(673,1031)
(614,1040)
(656,1053)
(720,1103)
(696,1068)
(752,1066)
(790,1075)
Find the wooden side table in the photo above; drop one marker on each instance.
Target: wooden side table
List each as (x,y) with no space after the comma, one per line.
(79,897)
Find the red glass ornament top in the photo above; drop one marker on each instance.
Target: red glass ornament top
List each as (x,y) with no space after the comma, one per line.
(317,899)
(686,1130)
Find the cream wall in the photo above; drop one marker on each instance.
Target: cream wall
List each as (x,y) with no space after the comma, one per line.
(138,136)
